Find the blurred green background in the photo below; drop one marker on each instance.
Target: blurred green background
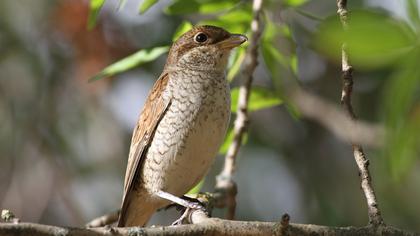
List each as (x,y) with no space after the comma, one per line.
(64,142)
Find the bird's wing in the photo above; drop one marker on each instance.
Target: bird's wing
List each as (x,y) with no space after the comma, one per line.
(153,111)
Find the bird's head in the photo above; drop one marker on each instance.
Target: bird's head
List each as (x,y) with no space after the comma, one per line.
(203,48)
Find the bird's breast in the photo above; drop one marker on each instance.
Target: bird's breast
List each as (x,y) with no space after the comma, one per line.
(189,135)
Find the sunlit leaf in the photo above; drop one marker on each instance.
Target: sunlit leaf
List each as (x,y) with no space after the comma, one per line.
(233,27)
(199,6)
(182,28)
(260,98)
(137,59)
(228,140)
(373,39)
(236,62)
(95,7)
(237,20)
(196,188)
(242,15)
(294,3)
(273,58)
(146,5)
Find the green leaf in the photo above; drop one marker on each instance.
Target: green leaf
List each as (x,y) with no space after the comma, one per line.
(134,60)
(95,7)
(180,7)
(402,116)
(373,39)
(294,63)
(229,26)
(235,63)
(412,8)
(260,98)
(241,15)
(236,20)
(229,139)
(294,3)
(196,188)
(273,58)
(146,5)
(182,28)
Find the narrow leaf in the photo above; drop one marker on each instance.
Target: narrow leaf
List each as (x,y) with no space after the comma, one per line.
(180,7)
(228,139)
(95,7)
(260,98)
(295,3)
(236,63)
(146,5)
(136,59)
(182,28)
(196,188)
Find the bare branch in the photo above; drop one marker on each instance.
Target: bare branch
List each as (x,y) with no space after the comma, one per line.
(224,182)
(374,213)
(202,226)
(335,120)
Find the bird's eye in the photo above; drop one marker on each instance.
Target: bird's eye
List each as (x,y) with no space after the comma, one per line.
(200,37)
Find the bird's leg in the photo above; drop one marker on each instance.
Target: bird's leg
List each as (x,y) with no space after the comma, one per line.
(189,205)
(183,217)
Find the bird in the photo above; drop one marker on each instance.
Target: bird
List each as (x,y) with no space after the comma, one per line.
(182,124)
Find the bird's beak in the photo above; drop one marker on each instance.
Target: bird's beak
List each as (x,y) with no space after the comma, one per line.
(234,40)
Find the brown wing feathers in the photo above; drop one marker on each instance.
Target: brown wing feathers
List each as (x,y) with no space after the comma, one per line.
(151,115)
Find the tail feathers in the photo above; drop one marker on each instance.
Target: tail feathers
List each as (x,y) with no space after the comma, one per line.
(136,214)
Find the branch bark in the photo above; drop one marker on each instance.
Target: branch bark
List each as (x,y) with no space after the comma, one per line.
(202,226)
(334,119)
(224,181)
(375,217)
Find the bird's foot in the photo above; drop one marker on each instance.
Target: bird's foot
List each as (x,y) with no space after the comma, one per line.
(186,215)
(189,205)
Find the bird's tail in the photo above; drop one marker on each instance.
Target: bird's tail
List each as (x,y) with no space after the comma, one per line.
(136,214)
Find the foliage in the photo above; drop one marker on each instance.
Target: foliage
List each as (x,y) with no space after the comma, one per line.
(130,62)
(259,98)
(95,7)
(374,41)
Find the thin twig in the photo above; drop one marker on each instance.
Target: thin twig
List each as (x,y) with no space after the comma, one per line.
(104,220)
(374,213)
(224,179)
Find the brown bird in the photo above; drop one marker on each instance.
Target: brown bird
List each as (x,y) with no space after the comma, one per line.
(182,125)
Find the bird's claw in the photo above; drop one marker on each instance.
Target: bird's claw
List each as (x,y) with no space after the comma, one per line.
(188,210)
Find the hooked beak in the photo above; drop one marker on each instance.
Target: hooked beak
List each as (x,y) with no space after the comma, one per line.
(233,41)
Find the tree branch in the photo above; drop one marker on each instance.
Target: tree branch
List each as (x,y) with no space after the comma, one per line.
(335,120)
(202,226)
(374,213)
(224,182)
